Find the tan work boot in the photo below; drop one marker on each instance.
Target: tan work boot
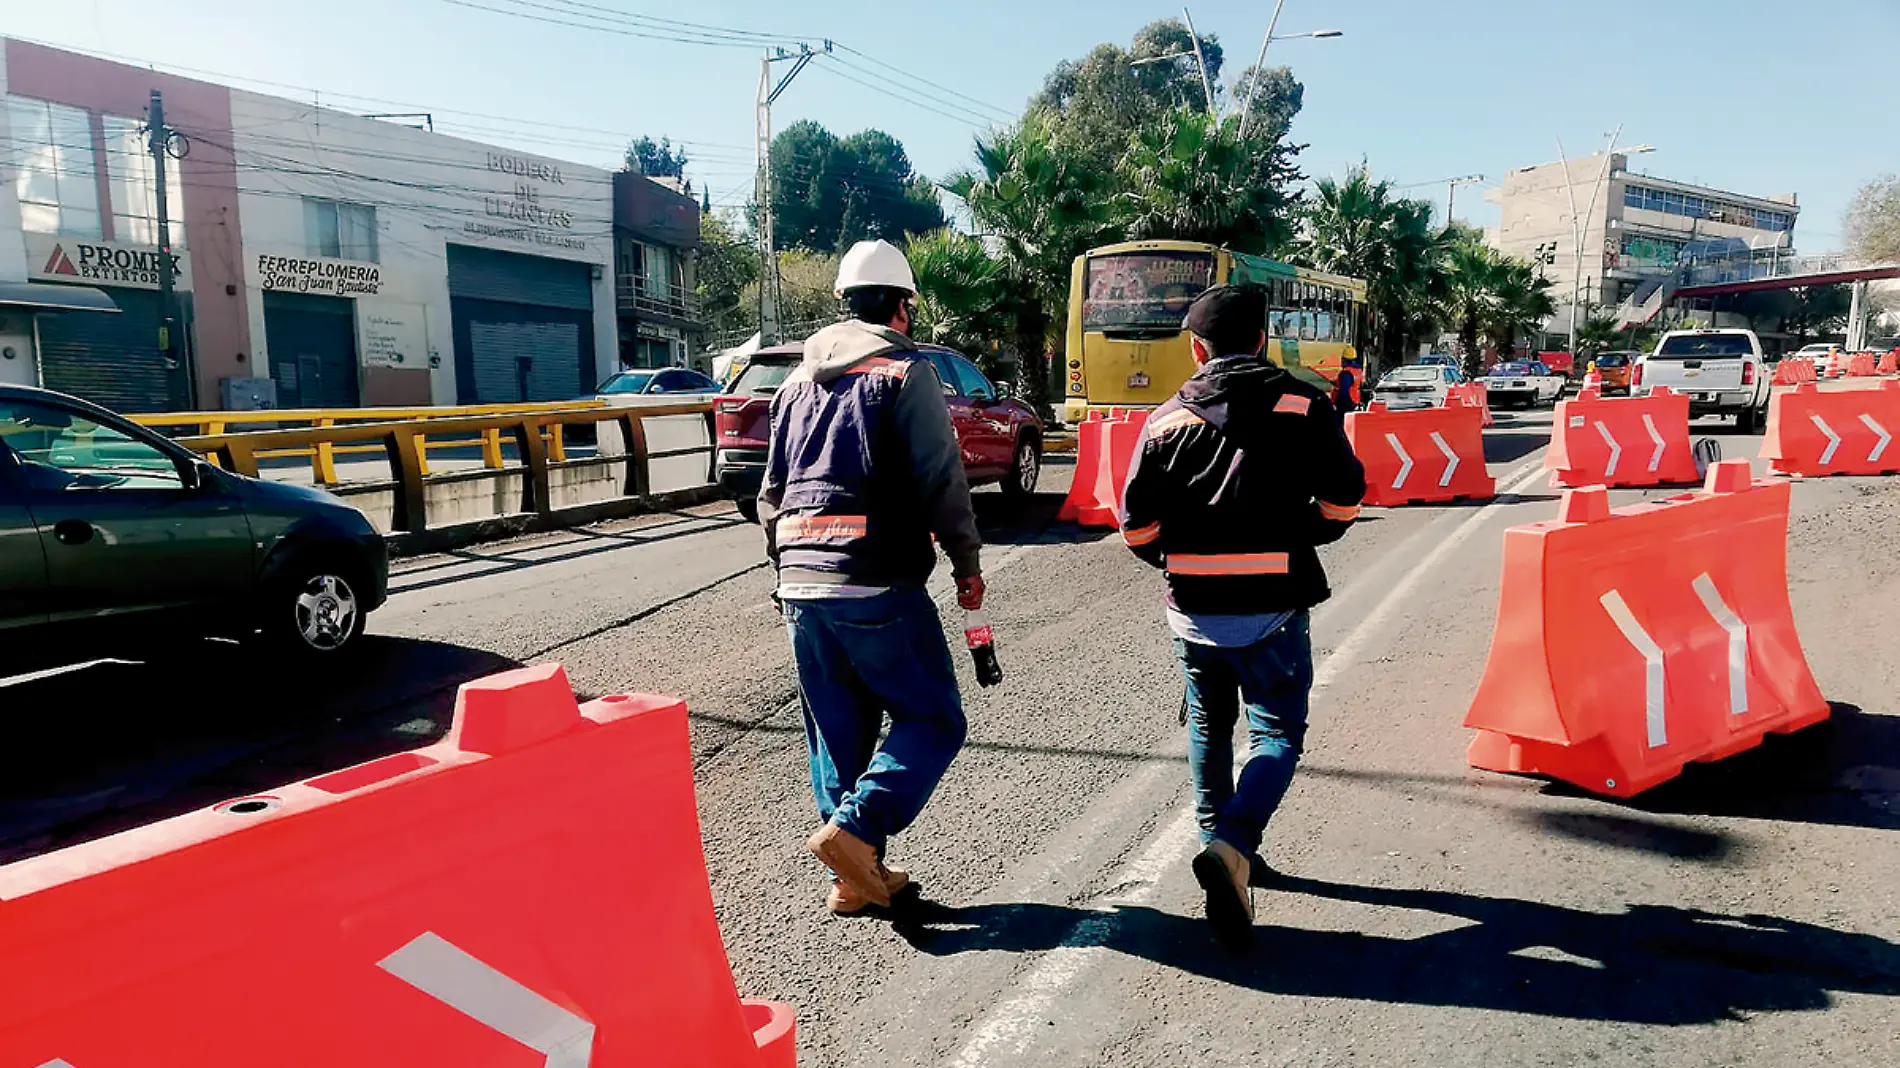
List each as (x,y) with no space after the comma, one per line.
(1222,872)
(844,901)
(852,861)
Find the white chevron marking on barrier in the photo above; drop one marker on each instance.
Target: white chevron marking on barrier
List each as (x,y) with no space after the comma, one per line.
(1880,432)
(1737,641)
(440,969)
(1833,439)
(1405,471)
(1616,450)
(1655,461)
(1451,459)
(1653,678)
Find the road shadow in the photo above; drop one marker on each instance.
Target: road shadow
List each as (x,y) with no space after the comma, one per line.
(1004,520)
(582,543)
(1507,446)
(1844,771)
(119,745)
(1648,964)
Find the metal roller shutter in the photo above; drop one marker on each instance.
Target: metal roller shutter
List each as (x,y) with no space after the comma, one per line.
(524,326)
(312,345)
(113,360)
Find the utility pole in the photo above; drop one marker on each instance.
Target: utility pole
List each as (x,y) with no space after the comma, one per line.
(160,137)
(1200,60)
(769,289)
(1451,192)
(1259,67)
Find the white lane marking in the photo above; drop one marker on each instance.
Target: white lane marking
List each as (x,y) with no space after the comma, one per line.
(1616,450)
(1833,439)
(1012,1025)
(1406,469)
(1737,641)
(1879,432)
(1655,461)
(1653,679)
(438,968)
(1451,459)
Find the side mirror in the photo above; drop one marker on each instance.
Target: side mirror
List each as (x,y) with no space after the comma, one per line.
(195,474)
(1005,391)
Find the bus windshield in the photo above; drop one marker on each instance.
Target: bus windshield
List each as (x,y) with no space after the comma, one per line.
(1144,290)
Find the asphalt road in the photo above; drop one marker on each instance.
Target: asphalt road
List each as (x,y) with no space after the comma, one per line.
(1423,913)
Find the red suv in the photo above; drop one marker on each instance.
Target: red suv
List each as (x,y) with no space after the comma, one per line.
(1001,437)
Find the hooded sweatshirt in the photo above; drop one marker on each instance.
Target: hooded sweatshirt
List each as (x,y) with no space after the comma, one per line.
(863,467)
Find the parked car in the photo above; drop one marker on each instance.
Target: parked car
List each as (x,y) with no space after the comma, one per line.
(1722,371)
(651,382)
(116,541)
(1614,369)
(1001,437)
(1418,385)
(1438,359)
(1524,383)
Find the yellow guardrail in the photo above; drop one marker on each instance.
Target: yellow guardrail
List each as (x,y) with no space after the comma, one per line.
(323,455)
(535,433)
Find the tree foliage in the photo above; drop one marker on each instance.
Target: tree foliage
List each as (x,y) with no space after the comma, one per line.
(831,192)
(1357,227)
(1191,177)
(1873,221)
(728,270)
(965,300)
(656,159)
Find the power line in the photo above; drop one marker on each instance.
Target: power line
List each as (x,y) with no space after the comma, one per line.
(838,72)
(1004,112)
(611,26)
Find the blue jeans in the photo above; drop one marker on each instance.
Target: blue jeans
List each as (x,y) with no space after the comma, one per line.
(860,660)
(1272,678)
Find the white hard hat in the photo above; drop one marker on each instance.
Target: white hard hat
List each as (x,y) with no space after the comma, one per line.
(875,263)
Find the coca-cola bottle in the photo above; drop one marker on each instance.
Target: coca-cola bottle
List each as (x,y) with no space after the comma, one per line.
(982,642)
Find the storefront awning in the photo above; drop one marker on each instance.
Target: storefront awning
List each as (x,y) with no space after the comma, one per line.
(36,296)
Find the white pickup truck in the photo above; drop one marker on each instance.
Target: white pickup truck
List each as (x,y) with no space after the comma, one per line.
(1722,371)
(1525,383)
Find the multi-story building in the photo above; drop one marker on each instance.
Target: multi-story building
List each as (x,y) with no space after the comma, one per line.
(656,252)
(323,259)
(1637,230)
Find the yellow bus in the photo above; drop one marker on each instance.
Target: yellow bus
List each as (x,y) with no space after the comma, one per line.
(1126,348)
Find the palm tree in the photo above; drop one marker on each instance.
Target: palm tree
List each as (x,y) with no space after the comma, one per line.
(1520,302)
(1356,227)
(1470,283)
(963,298)
(1192,177)
(1037,207)
(1597,333)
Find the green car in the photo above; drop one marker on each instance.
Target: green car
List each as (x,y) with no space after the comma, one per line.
(116,542)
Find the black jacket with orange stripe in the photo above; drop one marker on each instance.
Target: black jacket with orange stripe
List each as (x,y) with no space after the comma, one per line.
(1234,482)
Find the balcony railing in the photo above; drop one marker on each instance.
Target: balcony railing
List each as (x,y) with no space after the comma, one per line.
(644,296)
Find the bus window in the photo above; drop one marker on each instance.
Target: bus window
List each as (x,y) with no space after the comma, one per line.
(1325,324)
(1309,313)
(1144,290)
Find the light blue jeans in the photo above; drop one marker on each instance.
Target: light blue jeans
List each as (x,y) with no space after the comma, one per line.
(860,660)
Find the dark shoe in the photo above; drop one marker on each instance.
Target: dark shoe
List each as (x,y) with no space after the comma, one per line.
(852,861)
(1222,872)
(844,901)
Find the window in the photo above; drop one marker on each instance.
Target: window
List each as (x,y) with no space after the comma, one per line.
(1144,290)
(59,451)
(1309,313)
(132,176)
(1323,318)
(941,364)
(971,381)
(340,231)
(57,172)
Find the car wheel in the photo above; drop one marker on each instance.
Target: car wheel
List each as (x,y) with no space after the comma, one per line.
(1025,469)
(749,508)
(1748,420)
(315,613)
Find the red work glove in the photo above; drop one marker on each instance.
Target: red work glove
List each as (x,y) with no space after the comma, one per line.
(970,592)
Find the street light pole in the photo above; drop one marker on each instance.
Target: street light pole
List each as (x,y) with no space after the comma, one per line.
(1253,90)
(769,289)
(1578,222)
(1200,60)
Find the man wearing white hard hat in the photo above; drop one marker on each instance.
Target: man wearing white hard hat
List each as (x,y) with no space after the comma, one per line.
(863,472)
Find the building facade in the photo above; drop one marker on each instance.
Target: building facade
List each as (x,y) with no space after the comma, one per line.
(656,253)
(323,259)
(1638,231)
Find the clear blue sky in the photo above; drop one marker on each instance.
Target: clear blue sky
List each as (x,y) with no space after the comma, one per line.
(1759,96)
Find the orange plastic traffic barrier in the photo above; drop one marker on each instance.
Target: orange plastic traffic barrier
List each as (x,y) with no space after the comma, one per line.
(1632,642)
(1834,432)
(1105,449)
(1420,455)
(530,890)
(1788,373)
(1889,364)
(1472,395)
(1861,365)
(1628,441)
